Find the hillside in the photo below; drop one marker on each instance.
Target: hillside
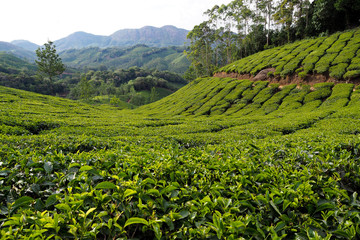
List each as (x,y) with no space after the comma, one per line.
(151,36)
(11,64)
(230,97)
(167,58)
(221,158)
(17,51)
(332,58)
(261,176)
(27,45)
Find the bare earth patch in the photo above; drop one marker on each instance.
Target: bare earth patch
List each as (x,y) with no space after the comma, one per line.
(311,79)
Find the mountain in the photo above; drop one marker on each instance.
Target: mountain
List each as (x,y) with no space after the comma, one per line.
(79,40)
(151,36)
(27,45)
(17,51)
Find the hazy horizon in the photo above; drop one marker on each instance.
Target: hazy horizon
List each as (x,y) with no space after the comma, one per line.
(40,20)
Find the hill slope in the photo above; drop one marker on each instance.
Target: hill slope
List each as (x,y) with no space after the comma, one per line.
(221,158)
(246,98)
(167,58)
(13,65)
(17,51)
(27,45)
(261,176)
(336,57)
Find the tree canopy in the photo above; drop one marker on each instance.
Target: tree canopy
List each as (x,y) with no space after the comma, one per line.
(49,63)
(244,27)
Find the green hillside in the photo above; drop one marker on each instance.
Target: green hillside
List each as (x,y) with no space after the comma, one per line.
(336,56)
(10,64)
(167,58)
(231,97)
(221,158)
(258,161)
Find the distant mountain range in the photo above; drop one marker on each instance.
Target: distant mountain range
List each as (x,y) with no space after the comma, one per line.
(17,51)
(151,36)
(150,47)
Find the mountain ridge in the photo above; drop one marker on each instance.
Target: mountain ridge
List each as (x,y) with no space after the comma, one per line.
(165,36)
(25,44)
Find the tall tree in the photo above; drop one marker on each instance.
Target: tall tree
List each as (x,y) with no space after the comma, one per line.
(266,7)
(49,63)
(200,51)
(284,15)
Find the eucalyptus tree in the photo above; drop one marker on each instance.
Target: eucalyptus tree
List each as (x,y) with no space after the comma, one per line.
(284,15)
(267,8)
(200,51)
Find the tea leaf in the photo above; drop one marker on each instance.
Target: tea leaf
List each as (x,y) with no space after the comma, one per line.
(48,166)
(136,220)
(129,192)
(105,185)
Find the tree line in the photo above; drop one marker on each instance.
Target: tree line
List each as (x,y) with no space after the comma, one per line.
(244,27)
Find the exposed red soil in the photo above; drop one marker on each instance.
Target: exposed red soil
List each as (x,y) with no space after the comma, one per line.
(311,79)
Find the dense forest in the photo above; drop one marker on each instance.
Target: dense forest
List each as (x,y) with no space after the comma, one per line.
(244,27)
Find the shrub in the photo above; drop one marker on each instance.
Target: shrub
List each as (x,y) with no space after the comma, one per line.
(265,94)
(340,96)
(239,89)
(346,36)
(324,63)
(355,64)
(352,74)
(302,75)
(322,91)
(338,70)
(295,98)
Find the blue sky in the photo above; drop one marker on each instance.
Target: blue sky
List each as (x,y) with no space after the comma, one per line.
(42,20)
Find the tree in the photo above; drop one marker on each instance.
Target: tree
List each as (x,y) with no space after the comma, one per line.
(284,15)
(200,52)
(153,95)
(351,8)
(266,7)
(85,88)
(49,63)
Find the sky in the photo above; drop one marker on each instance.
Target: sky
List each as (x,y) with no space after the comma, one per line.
(41,20)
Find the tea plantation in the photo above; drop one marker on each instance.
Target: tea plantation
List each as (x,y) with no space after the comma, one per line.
(220,158)
(337,56)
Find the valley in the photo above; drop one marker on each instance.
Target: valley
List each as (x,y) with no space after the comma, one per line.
(221,158)
(251,135)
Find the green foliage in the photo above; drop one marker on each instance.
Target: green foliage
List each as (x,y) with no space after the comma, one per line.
(265,24)
(48,61)
(10,64)
(338,70)
(162,59)
(323,64)
(352,74)
(321,92)
(132,85)
(288,170)
(337,55)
